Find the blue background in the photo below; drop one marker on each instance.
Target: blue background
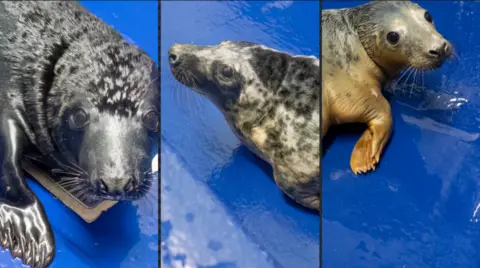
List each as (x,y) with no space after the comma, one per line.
(127,234)
(220,206)
(418,209)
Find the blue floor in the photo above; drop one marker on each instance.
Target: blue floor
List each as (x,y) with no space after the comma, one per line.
(427,214)
(127,234)
(220,206)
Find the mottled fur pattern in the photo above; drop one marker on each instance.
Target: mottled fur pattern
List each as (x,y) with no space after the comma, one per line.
(85,99)
(42,44)
(272,103)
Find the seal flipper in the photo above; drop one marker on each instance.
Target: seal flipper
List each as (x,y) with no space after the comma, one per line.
(24,228)
(305,193)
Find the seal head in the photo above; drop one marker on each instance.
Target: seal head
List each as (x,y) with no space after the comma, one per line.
(398,34)
(104,116)
(269,98)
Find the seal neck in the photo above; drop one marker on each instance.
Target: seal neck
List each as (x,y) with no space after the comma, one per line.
(359,21)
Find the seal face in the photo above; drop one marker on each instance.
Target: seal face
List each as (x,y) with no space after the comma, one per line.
(106,124)
(364,47)
(79,99)
(271,101)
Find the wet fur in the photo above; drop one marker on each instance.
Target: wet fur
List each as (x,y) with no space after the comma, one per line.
(272,104)
(54,55)
(357,61)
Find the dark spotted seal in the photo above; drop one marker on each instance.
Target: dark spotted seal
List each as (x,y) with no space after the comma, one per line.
(363,48)
(270,99)
(83,100)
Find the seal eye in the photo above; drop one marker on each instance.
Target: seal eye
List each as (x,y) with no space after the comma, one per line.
(151,120)
(79,119)
(428,17)
(393,38)
(227,72)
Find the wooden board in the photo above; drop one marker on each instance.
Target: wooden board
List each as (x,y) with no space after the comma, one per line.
(88,214)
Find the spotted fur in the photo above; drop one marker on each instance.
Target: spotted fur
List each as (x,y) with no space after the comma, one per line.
(88,103)
(272,103)
(79,51)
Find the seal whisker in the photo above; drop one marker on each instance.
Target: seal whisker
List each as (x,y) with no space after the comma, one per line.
(412,70)
(183,88)
(176,87)
(188,80)
(403,74)
(423,79)
(199,101)
(67,181)
(148,171)
(414,83)
(193,80)
(61,172)
(455,58)
(188,101)
(69,166)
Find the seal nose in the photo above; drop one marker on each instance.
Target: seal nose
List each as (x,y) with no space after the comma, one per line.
(116,186)
(440,51)
(174,55)
(130,185)
(173,58)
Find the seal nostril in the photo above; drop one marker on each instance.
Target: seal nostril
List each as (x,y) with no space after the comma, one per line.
(440,51)
(129,186)
(447,49)
(102,186)
(173,59)
(433,52)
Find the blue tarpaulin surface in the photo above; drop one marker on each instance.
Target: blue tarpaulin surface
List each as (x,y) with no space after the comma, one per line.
(220,206)
(127,234)
(420,207)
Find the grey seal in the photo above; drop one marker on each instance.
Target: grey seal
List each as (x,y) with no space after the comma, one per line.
(270,99)
(78,98)
(363,48)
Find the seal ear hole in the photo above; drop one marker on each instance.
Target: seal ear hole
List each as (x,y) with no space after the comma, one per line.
(79,119)
(151,121)
(393,38)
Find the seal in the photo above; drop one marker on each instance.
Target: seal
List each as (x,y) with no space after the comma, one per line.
(363,48)
(78,97)
(271,101)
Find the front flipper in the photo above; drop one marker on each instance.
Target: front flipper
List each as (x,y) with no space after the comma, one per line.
(305,192)
(24,228)
(27,234)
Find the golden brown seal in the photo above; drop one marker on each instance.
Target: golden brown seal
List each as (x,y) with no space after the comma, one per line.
(362,48)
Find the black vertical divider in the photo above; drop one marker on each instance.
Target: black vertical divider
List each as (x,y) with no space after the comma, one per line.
(320,114)
(159,131)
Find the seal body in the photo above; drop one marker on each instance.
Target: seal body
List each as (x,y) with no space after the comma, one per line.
(78,98)
(363,48)
(270,99)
